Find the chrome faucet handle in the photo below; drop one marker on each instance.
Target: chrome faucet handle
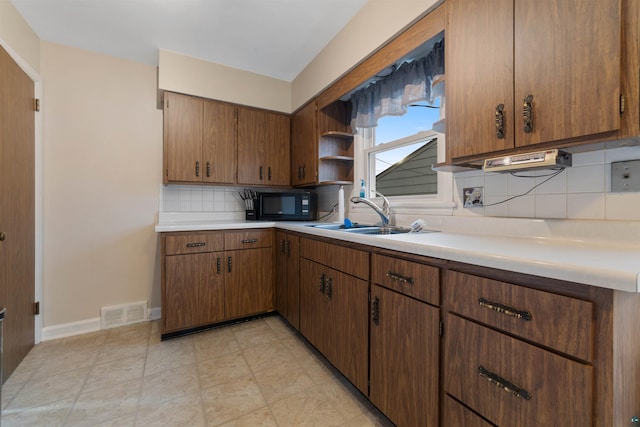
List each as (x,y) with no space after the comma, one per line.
(386,206)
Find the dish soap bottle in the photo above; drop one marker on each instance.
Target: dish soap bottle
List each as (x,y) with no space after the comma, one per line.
(363,189)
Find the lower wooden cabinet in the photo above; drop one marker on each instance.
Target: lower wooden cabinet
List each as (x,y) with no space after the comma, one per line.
(288,277)
(210,277)
(334,318)
(404,352)
(456,414)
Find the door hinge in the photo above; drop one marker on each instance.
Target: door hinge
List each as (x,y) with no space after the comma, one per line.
(36,308)
(36,104)
(621,104)
(441,328)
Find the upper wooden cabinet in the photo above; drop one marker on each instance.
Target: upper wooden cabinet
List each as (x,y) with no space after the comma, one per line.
(322,145)
(304,145)
(199,140)
(563,56)
(263,147)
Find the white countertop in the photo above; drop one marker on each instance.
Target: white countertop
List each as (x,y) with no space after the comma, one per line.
(613,265)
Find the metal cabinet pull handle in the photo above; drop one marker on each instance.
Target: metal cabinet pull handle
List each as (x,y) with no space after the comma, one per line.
(500,121)
(282,247)
(196,244)
(218,265)
(322,283)
(269,173)
(287,246)
(527,114)
(229,264)
(375,310)
(261,173)
(329,287)
(197,168)
(208,169)
(400,278)
(304,171)
(507,386)
(250,241)
(505,309)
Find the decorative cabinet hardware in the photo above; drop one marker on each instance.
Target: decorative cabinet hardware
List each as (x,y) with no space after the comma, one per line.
(507,386)
(635,420)
(218,265)
(197,168)
(527,113)
(3,236)
(505,309)
(375,310)
(269,173)
(229,264)
(261,174)
(400,278)
(250,241)
(329,287)
(208,169)
(500,121)
(322,283)
(287,246)
(196,244)
(282,246)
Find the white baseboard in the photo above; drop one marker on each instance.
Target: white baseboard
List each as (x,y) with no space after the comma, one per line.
(70,329)
(83,326)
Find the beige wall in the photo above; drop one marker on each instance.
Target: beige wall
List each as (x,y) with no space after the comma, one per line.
(102,172)
(184,74)
(16,35)
(374,25)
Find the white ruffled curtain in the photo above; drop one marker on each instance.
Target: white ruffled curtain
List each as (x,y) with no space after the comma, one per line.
(410,83)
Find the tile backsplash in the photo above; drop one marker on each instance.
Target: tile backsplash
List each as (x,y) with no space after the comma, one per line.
(582,191)
(199,198)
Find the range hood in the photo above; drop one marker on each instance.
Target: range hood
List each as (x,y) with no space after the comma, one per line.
(545,159)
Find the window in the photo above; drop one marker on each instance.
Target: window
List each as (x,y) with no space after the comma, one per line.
(400,151)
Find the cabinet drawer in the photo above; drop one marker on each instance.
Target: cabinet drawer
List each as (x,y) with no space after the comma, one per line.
(485,369)
(248,239)
(190,243)
(346,260)
(410,278)
(556,321)
(456,414)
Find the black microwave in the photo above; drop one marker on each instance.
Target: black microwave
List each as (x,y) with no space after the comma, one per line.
(287,206)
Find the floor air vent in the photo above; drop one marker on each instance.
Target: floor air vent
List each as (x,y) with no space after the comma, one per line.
(125,314)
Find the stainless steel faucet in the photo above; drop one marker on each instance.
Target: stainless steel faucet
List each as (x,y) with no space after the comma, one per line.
(384,213)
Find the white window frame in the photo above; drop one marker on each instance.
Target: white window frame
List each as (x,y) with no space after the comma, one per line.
(423,204)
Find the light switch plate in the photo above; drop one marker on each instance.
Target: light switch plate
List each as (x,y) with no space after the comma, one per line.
(625,176)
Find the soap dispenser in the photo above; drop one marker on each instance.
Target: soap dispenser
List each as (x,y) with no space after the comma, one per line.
(363,189)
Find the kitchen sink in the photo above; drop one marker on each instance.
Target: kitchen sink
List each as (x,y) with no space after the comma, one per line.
(362,229)
(341,227)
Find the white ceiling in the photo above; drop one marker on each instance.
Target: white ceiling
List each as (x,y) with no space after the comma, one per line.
(275,38)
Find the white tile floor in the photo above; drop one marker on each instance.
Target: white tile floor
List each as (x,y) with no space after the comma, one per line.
(257,373)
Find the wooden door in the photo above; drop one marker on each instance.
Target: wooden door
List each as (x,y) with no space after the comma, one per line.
(248,282)
(287,277)
(348,326)
(251,147)
(567,55)
(314,310)
(405,349)
(194,290)
(219,142)
(182,138)
(304,146)
(479,57)
(17,211)
(278,147)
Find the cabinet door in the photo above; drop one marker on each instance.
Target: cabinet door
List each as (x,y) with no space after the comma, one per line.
(183,123)
(193,291)
(567,55)
(304,146)
(405,349)
(248,282)
(479,57)
(219,143)
(314,307)
(287,278)
(455,414)
(251,147)
(278,148)
(348,340)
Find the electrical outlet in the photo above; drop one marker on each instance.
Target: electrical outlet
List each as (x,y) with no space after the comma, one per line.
(473,197)
(625,176)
